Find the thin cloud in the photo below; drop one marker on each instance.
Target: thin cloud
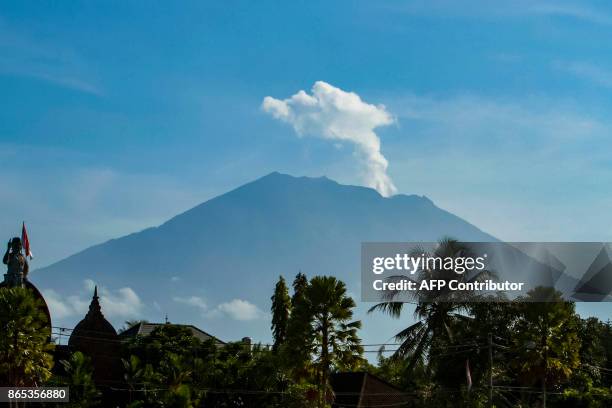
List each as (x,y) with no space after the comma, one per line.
(26,56)
(587,71)
(58,307)
(194,301)
(578,11)
(237,309)
(483,9)
(119,303)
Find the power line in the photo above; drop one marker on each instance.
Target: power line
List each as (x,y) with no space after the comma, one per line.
(89,335)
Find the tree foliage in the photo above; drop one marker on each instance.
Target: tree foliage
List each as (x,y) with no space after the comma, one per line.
(334,335)
(25,347)
(281,307)
(438,312)
(538,344)
(321,334)
(298,346)
(79,380)
(547,339)
(172,368)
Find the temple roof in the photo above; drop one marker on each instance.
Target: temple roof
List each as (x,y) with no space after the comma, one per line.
(93,327)
(144,329)
(95,337)
(363,390)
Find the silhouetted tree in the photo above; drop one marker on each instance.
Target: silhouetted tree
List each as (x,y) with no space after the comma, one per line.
(334,334)
(547,340)
(281,305)
(79,379)
(25,346)
(438,311)
(300,283)
(298,345)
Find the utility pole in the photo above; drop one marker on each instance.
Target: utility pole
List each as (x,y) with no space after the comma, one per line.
(490,341)
(545,373)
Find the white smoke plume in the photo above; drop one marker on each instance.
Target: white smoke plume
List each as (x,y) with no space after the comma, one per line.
(334,114)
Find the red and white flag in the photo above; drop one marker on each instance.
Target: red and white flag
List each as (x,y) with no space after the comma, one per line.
(25,242)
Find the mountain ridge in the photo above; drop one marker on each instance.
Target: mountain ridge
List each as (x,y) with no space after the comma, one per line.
(235,245)
(409,198)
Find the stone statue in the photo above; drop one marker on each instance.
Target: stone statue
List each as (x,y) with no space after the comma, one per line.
(17,265)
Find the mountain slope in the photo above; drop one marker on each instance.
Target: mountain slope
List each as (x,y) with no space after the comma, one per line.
(235,245)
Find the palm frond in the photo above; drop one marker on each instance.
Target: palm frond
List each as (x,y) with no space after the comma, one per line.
(393,309)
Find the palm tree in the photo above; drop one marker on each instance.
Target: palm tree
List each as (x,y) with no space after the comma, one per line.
(25,346)
(177,372)
(334,334)
(79,378)
(437,311)
(548,344)
(135,374)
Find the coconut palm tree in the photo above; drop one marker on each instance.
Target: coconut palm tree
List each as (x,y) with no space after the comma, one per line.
(547,340)
(25,349)
(334,334)
(79,378)
(437,310)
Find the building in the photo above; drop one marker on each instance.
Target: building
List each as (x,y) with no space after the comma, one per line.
(365,390)
(144,329)
(96,337)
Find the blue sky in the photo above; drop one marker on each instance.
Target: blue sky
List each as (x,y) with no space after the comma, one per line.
(117,115)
